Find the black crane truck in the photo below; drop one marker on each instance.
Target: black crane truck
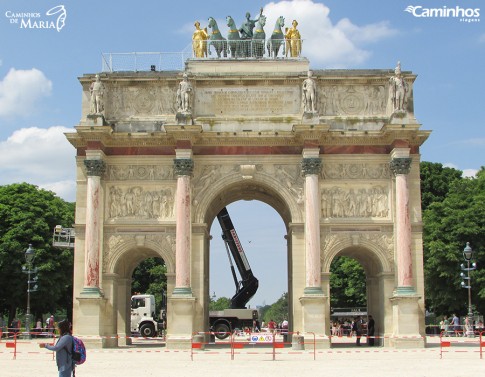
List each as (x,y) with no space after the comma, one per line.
(224,322)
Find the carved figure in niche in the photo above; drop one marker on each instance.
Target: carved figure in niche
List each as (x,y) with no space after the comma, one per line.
(97,92)
(246,31)
(184,94)
(293,40)
(309,94)
(398,91)
(199,41)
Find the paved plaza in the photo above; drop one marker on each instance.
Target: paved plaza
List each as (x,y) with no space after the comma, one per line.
(462,359)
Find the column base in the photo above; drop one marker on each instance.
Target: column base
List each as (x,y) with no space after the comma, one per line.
(406,320)
(180,320)
(314,318)
(91,292)
(182,291)
(89,321)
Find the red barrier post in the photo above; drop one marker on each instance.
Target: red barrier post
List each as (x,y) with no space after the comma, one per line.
(13,345)
(443,344)
(481,342)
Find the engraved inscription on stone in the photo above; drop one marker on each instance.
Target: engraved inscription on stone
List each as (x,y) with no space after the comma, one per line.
(247,101)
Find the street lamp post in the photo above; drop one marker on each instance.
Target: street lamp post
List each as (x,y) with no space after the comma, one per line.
(467,255)
(29,270)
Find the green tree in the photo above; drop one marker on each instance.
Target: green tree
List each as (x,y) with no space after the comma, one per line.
(347,283)
(435,182)
(448,224)
(278,311)
(220,304)
(28,216)
(150,277)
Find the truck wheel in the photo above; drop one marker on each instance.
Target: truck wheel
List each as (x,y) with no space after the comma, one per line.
(147,330)
(221,330)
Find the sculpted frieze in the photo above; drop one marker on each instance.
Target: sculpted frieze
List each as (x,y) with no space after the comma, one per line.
(139,101)
(140,172)
(340,202)
(356,171)
(351,100)
(135,202)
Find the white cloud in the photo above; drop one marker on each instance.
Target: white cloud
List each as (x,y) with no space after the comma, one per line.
(450,165)
(42,157)
(470,173)
(21,90)
(333,46)
(481,38)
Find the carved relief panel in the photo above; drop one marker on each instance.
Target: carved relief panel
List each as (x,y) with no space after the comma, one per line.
(140,203)
(352,100)
(139,172)
(124,101)
(362,201)
(356,171)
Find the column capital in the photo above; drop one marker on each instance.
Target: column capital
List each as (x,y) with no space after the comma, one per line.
(400,165)
(95,167)
(311,165)
(183,166)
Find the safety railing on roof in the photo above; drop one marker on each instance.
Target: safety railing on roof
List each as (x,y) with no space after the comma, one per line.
(201,50)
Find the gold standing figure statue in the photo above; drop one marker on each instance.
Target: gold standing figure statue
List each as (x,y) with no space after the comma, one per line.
(199,41)
(293,40)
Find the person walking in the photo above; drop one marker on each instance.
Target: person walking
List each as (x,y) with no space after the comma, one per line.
(63,349)
(358,330)
(370,331)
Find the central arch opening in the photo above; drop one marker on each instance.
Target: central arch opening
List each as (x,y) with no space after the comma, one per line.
(261,232)
(261,217)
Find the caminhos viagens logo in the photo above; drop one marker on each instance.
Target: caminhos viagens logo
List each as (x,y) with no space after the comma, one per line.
(459,13)
(54,18)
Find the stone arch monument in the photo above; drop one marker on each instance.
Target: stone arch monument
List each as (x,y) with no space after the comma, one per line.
(342,172)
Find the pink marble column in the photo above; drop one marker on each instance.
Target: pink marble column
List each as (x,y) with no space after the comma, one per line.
(183,169)
(400,167)
(94,170)
(311,169)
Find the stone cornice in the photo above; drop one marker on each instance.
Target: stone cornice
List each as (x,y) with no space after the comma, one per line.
(320,134)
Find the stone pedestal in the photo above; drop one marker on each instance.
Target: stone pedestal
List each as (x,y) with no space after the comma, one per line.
(405,312)
(313,309)
(96,120)
(91,314)
(181,320)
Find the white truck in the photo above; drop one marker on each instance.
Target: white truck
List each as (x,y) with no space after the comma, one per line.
(143,316)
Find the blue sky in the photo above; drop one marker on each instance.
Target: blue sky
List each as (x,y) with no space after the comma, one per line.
(40,96)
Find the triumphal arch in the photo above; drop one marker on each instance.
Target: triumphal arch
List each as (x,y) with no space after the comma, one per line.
(334,152)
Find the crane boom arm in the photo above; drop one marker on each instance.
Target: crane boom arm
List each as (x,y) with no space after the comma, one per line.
(248,284)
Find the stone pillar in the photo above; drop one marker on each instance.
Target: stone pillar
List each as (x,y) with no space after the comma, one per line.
(183,169)
(311,167)
(181,304)
(405,300)
(313,301)
(400,166)
(94,169)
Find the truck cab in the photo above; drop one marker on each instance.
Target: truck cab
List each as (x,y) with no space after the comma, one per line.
(143,314)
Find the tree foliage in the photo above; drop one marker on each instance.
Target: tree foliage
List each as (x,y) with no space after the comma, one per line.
(435,182)
(278,311)
(456,218)
(220,304)
(347,283)
(28,216)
